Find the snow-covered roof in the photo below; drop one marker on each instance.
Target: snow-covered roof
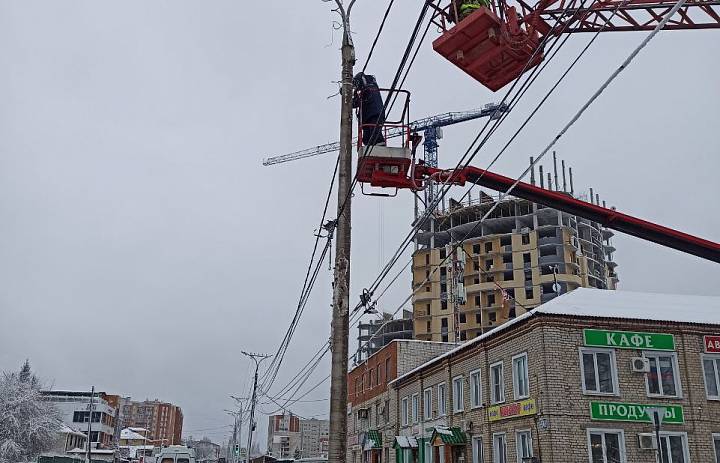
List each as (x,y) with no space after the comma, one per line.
(601,303)
(136,429)
(130,435)
(65,429)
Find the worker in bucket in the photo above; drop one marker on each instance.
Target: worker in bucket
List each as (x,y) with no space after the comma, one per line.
(371,111)
(465,8)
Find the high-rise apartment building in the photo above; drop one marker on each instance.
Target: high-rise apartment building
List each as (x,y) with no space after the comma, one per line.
(163,420)
(523,254)
(283,436)
(314,435)
(376,333)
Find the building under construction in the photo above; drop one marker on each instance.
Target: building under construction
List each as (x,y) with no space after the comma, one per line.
(523,254)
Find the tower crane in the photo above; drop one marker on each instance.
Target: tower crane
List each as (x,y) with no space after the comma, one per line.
(430,126)
(498,43)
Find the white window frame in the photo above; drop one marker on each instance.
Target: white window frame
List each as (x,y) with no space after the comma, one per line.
(478,452)
(427,404)
(475,385)
(686,445)
(494,448)
(715,358)
(442,399)
(415,407)
(517,443)
(405,411)
(501,399)
(441,454)
(623,449)
(428,452)
(516,380)
(716,437)
(458,402)
(676,373)
(613,371)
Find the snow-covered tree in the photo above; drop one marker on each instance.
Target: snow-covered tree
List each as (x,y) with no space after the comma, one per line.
(28,424)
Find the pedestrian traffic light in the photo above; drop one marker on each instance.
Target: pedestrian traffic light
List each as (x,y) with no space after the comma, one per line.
(237,449)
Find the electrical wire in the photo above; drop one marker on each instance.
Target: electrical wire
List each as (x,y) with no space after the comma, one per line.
(377,36)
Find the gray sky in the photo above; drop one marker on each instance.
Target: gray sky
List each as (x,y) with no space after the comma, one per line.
(143,244)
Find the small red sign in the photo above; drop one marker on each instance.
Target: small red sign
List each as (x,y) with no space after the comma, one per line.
(712,344)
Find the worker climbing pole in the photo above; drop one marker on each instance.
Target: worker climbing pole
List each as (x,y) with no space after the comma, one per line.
(341,284)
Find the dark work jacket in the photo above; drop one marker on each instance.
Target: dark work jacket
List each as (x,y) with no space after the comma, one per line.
(372,102)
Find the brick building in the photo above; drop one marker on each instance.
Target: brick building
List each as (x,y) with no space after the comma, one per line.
(74,408)
(371,428)
(163,420)
(570,382)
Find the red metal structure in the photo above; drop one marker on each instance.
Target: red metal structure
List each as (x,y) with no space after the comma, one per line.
(414,179)
(497,44)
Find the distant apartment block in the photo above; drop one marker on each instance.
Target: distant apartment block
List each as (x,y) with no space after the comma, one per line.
(377,333)
(163,420)
(314,435)
(283,439)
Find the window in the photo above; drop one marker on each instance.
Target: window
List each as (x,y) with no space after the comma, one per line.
(477,301)
(488,247)
(525,239)
(523,440)
(491,299)
(492,316)
(442,253)
(415,408)
(457,384)
(599,372)
(673,448)
(370,379)
(488,264)
(462,318)
(387,369)
(429,327)
(478,318)
(499,448)
(441,454)
(526,258)
(377,375)
(662,378)
(428,452)
(521,386)
(711,367)
(476,249)
(442,400)
(477,450)
(497,394)
(475,389)
(716,443)
(606,446)
(443,305)
(405,411)
(529,293)
(427,403)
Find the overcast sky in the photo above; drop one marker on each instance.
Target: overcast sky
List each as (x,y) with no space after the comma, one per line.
(144,245)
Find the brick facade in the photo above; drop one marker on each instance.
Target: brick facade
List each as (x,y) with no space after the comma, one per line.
(561,422)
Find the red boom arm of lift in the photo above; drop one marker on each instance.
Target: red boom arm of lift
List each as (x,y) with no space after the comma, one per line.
(609,218)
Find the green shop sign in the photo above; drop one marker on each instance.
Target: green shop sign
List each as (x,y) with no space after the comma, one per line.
(629,339)
(615,411)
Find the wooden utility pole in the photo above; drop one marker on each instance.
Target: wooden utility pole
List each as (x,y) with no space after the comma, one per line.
(341,285)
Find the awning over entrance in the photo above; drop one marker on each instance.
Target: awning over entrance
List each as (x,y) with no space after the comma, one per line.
(448,436)
(405,442)
(373,440)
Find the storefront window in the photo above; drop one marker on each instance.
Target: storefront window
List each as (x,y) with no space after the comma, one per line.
(606,446)
(673,448)
(523,440)
(477,450)
(499,448)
